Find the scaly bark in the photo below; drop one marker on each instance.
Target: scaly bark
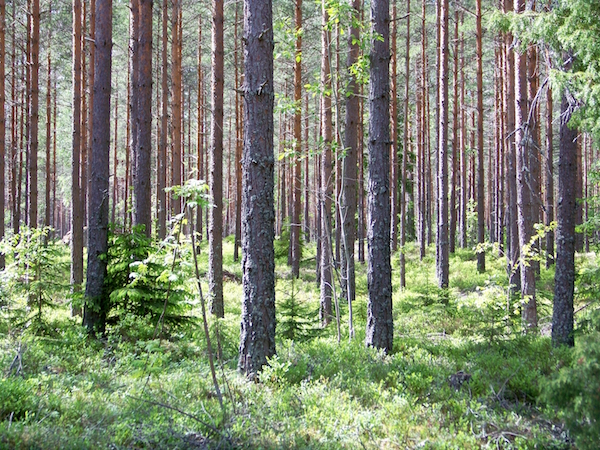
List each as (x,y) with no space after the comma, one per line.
(380,325)
(96,297)
(257,341)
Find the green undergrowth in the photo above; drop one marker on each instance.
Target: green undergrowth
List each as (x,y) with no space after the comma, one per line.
(461,375)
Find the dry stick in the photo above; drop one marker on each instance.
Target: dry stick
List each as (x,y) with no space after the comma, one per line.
(205,322)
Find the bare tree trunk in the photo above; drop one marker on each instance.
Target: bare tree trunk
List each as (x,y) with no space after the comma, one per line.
(76,200)
(2,122)
(143,152)
(257,341)
(380,325)
(96,303)
(442,256)
(349,168)
(405,148)
(33,99)
(524,194)
(394,128)
(455,146)
(176,106)
(512,230)
(115,186)
(200,113)
(239,132)
(480,162)
(215,217)
(564,280)
(48,174)
(326,191)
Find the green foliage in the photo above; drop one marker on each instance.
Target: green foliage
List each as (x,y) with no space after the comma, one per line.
(33,271)
(296,321)
(17,399)
(143,279)
(282,243)
(570,30)
(575,392)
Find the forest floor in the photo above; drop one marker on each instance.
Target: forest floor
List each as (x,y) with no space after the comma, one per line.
(462,374)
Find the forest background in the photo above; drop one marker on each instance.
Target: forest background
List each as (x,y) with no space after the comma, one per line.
(473,174)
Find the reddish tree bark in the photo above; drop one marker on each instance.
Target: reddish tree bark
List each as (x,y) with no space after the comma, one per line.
(143,152)
(295,224)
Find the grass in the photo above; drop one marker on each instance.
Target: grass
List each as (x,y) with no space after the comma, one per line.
(59,389)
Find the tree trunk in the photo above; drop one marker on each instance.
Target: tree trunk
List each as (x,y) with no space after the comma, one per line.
(96,298)
(480,162)
(455,143)
(405,149)
(524,194)
(380,326)
(2,122)
(33,99)
(239,131)
(76,200)
(48,190)
(296,185)
(394,132)
(326,253)
(257,342)
(349,168)
(442,256)
(215,216)
(143,152)
(564,279)
(512,229)
(200,114)
(176,106)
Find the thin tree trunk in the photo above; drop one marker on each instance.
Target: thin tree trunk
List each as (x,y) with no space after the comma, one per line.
(33,99)
(442,256)
(349,168)
(239,132)
(2,122)
(115,187)
(455,143)
(524,194)
(76,201)
(480,161)
(405,148)
(48,190)
(215,217)
(326,191)
(295,225)
(512,230)
(380,325)
(176,107)
(394,132)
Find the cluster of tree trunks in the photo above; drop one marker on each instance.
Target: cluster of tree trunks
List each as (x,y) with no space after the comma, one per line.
(320,196)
